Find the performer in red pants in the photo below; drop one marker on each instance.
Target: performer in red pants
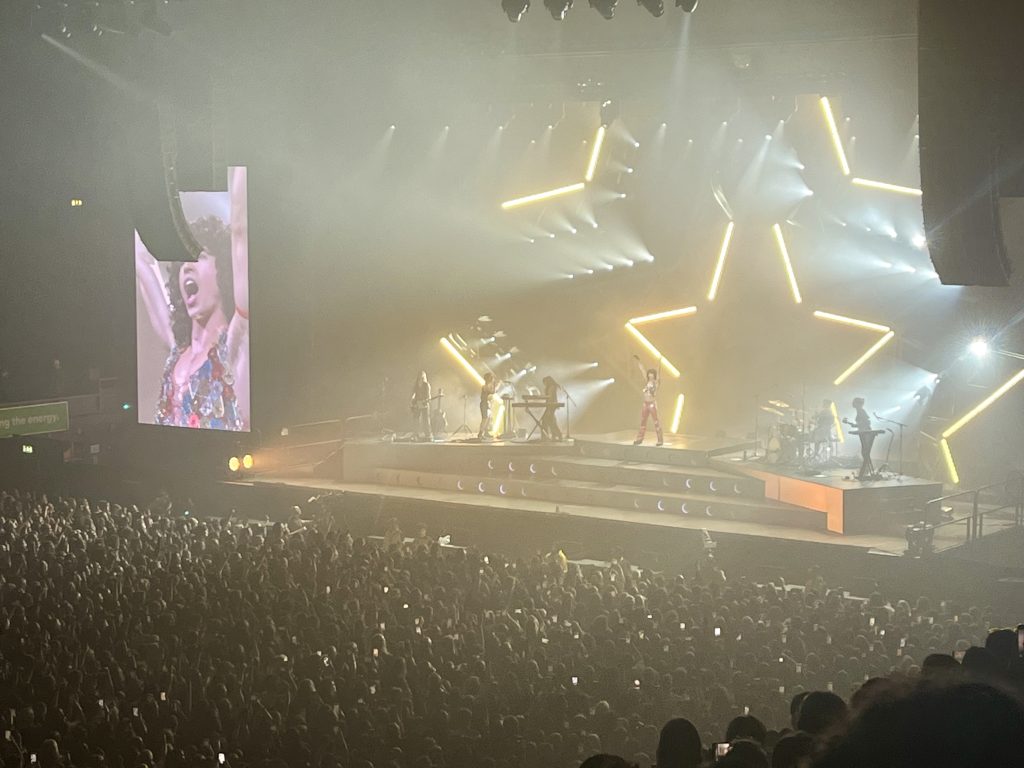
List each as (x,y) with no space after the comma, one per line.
(650,406)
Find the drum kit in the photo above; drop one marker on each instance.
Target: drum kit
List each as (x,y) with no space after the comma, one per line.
(799,438)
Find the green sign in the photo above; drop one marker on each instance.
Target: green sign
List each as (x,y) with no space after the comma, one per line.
(24,420)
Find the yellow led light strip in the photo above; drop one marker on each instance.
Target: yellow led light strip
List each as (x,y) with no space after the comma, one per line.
(835,420)
(912,191)
(954,476)
(852,321)
(721,261)
(462,361)
(967,417)
(598,143)
(826,107)
(542,196)
(653,350)
(781,241)
(663,315)
(678,415)
(864,358)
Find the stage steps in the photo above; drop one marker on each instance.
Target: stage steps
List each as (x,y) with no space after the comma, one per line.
(558,490)
(703,480)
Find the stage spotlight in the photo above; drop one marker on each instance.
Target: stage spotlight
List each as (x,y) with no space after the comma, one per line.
(515,9)
(605,7)
(979,348)
(919,241)
(654,7)
(609,109)
(247,461)
(234,464)
(689,6)
(558,8)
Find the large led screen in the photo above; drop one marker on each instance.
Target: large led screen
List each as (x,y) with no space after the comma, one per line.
(192,319)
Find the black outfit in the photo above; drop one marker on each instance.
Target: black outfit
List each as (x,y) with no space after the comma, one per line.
(549,429)
(421,409)
(486,393)
(867,441)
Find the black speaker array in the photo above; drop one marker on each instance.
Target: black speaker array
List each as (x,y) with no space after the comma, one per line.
(969,105)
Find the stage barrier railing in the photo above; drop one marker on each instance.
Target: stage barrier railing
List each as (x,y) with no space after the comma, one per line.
(928,536)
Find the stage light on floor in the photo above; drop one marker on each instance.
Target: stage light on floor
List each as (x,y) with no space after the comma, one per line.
(515,9)
(595,154)
(247,461)
(508,204)
(852,321)
(653,350)
(605,7)
(784,252)
(462,361)
(654,7)
(979,348)
(234,464)
(558,8)
(947,455)
(971,414)
(886,187)
(677,416)
(682,312)
(722,253)
(837,142)
(864,358)
(688,6)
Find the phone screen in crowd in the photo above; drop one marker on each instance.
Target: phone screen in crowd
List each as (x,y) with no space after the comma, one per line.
(220,758)
(32,758)
(575,680)
(163,695)
(722,749)
(7,735)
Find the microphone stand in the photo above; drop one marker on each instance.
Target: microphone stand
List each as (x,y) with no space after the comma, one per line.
(901,427)
(568,399)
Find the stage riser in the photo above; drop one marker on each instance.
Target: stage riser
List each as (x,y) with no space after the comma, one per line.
(545,467)
(639,501)
(694,482)
(646,454)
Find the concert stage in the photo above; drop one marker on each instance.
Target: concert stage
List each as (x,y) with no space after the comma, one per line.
(689,483)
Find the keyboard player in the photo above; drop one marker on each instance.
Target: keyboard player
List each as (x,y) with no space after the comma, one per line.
(549,429)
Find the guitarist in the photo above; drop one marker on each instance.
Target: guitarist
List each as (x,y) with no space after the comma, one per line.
(867,437)
(421,407)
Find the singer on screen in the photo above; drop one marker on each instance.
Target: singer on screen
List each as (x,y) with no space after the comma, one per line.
(201,313)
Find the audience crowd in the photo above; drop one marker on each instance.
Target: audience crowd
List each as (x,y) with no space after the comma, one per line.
(133,639)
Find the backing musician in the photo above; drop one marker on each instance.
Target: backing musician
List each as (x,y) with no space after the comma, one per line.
(549,429)
(487,391)
(867,438)
(823,421)
(421,407)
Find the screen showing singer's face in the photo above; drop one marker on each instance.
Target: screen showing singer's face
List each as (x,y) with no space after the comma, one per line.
(192,319)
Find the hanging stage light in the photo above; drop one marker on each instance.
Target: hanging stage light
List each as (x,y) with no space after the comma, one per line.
(515,9)
(558,8)
(654,7)
(605,7)
(687,5)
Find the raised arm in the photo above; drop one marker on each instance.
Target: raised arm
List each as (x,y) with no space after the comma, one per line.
(238,328)
(153,293)
(240,239)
